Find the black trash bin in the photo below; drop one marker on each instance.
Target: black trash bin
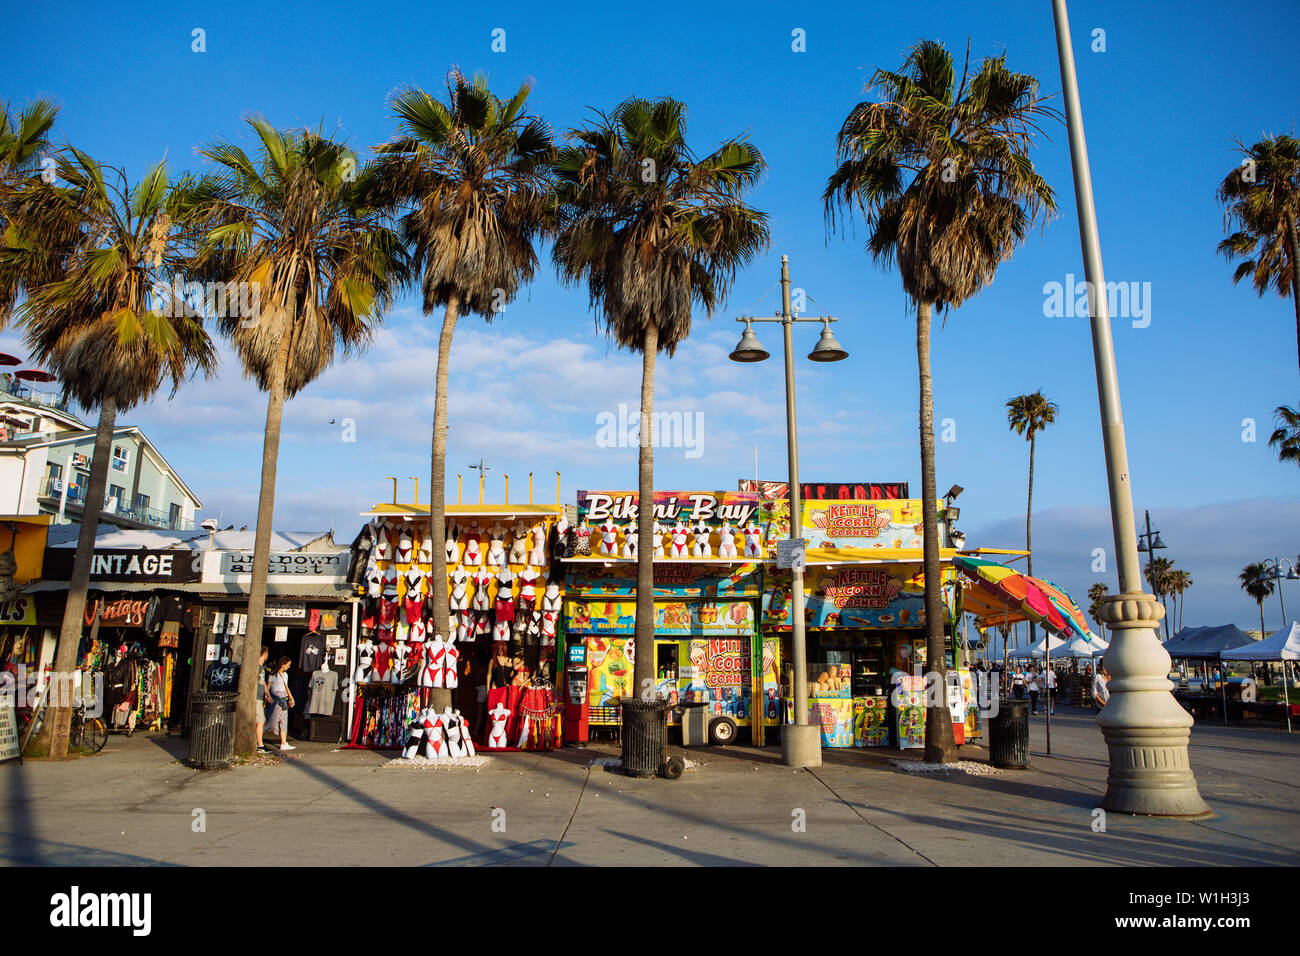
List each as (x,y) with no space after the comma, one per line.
(1009,735)
(645,733)
(212,729)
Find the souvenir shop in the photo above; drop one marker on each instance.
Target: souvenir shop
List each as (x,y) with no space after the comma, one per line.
(708,581)
(864,606)
(436,682)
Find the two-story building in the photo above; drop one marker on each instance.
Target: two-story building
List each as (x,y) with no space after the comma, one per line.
(45,452)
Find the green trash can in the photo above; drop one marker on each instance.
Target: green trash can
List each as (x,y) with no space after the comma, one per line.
(212,729)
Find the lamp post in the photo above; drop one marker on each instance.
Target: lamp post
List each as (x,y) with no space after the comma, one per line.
(1149,543)
(1274,568)
(800,742)
(1146,730)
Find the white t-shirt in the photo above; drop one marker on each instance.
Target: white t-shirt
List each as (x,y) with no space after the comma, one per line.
(1031,683)
(1100,692)
(1050,677)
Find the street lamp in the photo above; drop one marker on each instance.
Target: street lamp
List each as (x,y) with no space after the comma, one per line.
(1274,568)
(800,742)
(1146,730)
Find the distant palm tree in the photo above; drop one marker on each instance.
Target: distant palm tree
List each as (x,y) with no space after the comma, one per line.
(102,328)
(473,175)
(1256,580)
(940,169)
(1027,415)
(1262,199)
(1179,581)
(1157,574)
(23,138)
(294,226)
(653,230)
(1097,594)
(1286,438)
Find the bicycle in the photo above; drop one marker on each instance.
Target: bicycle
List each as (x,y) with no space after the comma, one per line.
(89,733)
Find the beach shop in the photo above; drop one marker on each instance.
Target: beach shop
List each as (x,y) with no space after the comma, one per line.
(707,649)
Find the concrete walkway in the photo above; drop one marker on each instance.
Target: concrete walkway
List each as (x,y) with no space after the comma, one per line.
(135,803)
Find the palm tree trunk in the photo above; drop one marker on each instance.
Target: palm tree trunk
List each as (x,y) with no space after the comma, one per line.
(1029,510)
(1262,634)
(59,721)
(248,705)
(438,485)
(643,665)
(1294,245)
(940,745)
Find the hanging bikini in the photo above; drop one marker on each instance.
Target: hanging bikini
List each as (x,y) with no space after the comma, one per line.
(405,546)
(496,556)
(505,606)
(453,552)
(413,603)
(473,556)
(528,588)
(459,595)
(383,545)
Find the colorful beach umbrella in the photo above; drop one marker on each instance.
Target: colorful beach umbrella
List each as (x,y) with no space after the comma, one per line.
(1039,600)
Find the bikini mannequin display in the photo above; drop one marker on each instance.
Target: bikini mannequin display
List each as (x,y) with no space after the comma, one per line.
(400,654)
(726,540)
(519,545)
(466,742)
(374,580)
(425,553)
(414,737)
(365,662)
(537,557)
(505,604)
(482,578)
(630,541)
(452,725)
(434,652)
(702,532)
(453,552)
(660,530)
(473,555)
(582,539)
(451,666)
(382,672)
(413,603)
(383,547)
(496,556)
(496,738)
(561,546)
(405,546)
(609,538)
(679,549)
(528,579)
(753,540)
(435,744)
(459,600)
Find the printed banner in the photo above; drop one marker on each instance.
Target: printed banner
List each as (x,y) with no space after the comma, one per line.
(911,713)
(609,669)
(689,507)
(871,722)
(848,596)
(708,619)
(857,490)
(672,580)
(835,716)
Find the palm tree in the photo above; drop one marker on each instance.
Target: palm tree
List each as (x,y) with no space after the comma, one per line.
(1286,438)
(101,328)
(1157,572)
(1027,415)
(1257,581)
(1097,594)
(1262,200)
(295,227)
(23,138)
(473,175)
(652,229)
(942,174)
(1179,581)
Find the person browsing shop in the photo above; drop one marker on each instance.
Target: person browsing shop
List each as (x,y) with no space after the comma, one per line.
(277,717)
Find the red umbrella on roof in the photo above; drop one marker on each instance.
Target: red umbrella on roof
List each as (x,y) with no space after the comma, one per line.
(35,375)
(6,359)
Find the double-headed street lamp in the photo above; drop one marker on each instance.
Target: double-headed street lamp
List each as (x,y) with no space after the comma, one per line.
(800,742)
(1274,568)
(1146,730)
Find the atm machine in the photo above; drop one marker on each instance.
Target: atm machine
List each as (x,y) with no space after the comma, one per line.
(576,707)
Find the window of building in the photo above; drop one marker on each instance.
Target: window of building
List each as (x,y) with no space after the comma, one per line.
(55,471)
(116,494)
(119,458)
(141,502)
(174,515)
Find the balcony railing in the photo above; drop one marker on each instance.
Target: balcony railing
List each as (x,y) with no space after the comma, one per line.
(10,386)
(52,488)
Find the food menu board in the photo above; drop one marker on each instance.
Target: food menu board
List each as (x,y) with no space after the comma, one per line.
(609,669)
(835,716)
(910,710)
(871,721)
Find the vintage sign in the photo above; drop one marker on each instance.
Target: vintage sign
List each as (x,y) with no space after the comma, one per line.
(168,566)
(21,610)
(844,490)
(690,507)
(282,563)
(124,612)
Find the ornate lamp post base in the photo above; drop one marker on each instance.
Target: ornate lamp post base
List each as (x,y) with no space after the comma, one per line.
(1146,730)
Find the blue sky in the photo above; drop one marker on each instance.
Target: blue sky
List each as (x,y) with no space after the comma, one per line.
(1176,85)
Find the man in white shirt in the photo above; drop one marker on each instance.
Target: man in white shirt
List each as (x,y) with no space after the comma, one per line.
(1049,677)
(1031,684)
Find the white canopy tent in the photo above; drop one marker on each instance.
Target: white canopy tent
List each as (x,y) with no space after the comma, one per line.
(1280,646)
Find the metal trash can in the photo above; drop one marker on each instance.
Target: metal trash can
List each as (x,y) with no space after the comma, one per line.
(1009,735)
(212,729)
(645,733)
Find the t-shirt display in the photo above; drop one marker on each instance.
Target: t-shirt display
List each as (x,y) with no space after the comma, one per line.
(312,653)
(222,676)
(324,691)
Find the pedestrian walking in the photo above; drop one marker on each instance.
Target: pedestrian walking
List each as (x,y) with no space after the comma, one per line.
(1049,677)
(263,697)
(1031,685)
(1100,692)
(1018,683)
(277,717)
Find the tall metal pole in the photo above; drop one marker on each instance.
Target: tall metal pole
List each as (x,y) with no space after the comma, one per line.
(798,746)
(1146,730)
